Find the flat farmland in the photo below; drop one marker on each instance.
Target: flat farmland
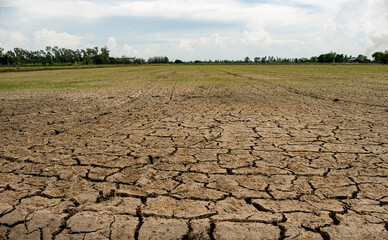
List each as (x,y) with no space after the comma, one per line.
(195,152)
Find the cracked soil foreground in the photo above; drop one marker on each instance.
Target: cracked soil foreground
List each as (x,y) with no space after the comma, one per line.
(226,152)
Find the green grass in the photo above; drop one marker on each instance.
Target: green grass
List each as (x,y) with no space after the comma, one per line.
(75,78)
(55,67)
(351,82)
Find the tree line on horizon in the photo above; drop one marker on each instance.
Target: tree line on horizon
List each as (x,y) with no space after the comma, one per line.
(64,56)
(332,57)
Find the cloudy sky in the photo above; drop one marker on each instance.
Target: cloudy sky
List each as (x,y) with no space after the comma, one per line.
(200,29)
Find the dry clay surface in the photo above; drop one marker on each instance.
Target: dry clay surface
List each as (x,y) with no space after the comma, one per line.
(244,158)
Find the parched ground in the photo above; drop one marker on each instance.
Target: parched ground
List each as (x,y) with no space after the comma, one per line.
(186,152)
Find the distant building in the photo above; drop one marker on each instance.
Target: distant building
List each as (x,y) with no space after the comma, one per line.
(129,59)
(353,60)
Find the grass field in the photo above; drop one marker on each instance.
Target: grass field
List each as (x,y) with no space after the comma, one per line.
(195,152)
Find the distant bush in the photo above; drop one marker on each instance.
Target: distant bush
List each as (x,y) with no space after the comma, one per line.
(381,57)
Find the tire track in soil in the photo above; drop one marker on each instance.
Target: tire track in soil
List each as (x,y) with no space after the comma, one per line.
(124,107)
(295,91)
(172,92)
(148,88)
(269,90)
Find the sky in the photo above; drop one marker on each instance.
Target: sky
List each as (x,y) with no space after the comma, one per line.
(200,29)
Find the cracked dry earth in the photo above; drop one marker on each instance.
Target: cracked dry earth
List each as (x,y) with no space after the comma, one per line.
(245,157)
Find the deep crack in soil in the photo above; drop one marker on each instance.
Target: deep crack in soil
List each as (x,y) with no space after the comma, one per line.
(237,158)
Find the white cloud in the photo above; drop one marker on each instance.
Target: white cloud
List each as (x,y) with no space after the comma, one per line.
(204,10)
(129,51)
(117,50)
(214,40)
(377,43)
(140,51)
(258,35)
(112,44)
(185,45)
(10,39)
(44,37)
(285,27)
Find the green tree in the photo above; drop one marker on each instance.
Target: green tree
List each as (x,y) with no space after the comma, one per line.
(56,54)
(158,59)
(339,58)
(87,60)
(21,54)
(105,55)
(380,57)
(362,58)
(3,57)
(385,58)
(327,57)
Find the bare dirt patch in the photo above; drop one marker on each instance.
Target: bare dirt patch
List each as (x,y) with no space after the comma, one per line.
(245,157)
